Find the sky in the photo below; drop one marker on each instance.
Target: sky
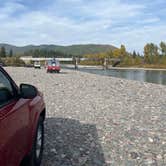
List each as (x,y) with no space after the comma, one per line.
(65,22)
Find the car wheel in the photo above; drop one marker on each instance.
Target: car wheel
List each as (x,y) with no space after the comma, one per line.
(37,149)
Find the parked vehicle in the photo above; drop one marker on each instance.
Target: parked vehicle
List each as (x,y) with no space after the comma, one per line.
(53,66)
(37,65)
(22,115)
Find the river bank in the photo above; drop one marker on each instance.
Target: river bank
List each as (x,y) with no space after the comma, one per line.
(156,76)
(98,121)
(115,68)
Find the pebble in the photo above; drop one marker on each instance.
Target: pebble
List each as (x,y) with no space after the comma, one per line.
(54,151)
(150,140)
(83,109)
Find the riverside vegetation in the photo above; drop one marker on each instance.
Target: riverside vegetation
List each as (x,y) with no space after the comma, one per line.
(154,56)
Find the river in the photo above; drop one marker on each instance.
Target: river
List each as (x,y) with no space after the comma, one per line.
(152,76)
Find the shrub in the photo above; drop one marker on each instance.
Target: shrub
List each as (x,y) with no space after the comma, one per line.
(14,61)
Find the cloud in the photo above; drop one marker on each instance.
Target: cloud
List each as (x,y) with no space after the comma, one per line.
(81,21)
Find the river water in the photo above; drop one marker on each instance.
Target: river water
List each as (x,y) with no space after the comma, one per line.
(152,76)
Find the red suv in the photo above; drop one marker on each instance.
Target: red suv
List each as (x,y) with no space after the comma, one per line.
(53,66)
(22,115)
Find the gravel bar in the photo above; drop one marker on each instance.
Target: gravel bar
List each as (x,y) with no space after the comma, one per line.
(97,120)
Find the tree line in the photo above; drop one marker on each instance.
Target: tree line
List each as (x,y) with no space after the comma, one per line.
(34,53)
(153,55)
(46,53)
(4,54)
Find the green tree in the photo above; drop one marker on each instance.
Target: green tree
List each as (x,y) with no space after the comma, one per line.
(120,53)
(3,52)
(163,48)
(134,54)
(123,52)
(150,53)
(14,61)
(110,54)
(117,52)
(10,53)
(138,54)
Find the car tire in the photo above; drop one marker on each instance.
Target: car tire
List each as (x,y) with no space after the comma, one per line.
(35,157)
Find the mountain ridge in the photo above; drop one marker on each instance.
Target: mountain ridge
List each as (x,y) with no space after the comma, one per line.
(74,49)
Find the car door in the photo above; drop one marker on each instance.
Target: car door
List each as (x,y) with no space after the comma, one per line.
(14,119)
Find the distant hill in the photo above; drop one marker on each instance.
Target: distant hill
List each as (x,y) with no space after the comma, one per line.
(73,49)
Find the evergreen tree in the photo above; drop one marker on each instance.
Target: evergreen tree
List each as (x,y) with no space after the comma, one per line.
(3,52)
(134,54)
(163,48)
(10,53)
(138,54)
(123,51)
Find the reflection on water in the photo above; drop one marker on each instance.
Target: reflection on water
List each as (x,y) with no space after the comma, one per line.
(152,76)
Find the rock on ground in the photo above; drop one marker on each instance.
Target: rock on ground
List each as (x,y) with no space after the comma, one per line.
(98,120)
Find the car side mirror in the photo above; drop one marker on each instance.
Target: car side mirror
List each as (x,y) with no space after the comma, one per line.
(28,91)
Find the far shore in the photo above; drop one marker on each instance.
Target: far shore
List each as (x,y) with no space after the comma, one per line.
(115,68)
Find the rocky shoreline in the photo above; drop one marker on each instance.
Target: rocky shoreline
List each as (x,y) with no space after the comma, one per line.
(97,120)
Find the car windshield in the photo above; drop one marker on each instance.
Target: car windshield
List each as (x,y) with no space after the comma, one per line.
(37,63)
(53,63)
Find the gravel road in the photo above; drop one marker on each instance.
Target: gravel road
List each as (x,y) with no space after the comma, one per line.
(97,120)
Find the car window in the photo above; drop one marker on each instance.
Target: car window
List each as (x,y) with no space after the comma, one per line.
(37,63)
(53,63)
(6,90)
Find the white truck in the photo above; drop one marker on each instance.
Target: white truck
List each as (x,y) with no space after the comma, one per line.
(37,65)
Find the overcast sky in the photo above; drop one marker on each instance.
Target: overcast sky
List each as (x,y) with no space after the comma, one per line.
(66,22)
